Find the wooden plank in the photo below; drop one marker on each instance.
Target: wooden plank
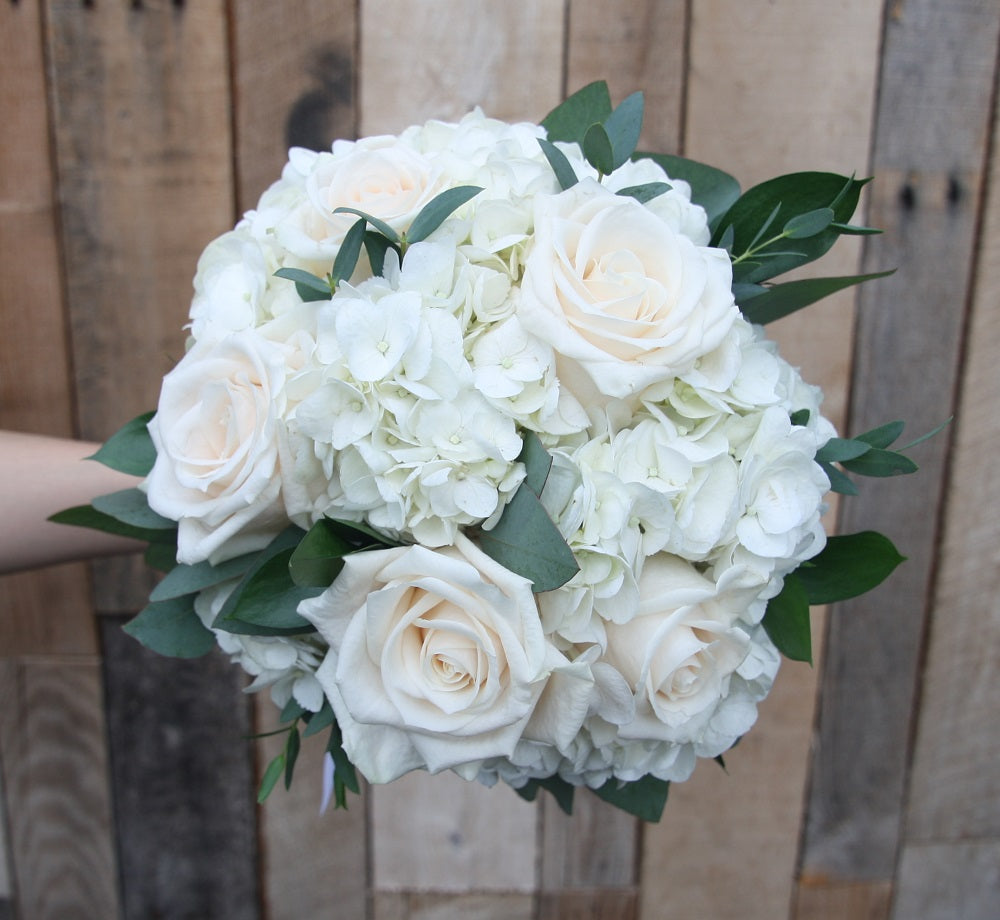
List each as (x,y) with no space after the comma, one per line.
(930,136)
(293,84)
(759,109)
(451,57)
(423,906)
(820,899)
(51,729)
(181,765)
(634,46)
(599,904)
(309,860)
(441,833)
(953,880)
(955,784)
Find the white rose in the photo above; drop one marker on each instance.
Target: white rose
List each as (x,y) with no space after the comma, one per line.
(623,298)
(216,432)
(437,658)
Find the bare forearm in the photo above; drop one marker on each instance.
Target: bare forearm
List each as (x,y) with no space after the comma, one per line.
(39,476)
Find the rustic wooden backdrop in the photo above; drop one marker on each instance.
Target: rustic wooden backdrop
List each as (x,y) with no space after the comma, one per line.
(133,131)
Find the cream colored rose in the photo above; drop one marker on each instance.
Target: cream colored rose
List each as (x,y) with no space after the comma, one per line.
(437,658)
(624,299)
(216,433)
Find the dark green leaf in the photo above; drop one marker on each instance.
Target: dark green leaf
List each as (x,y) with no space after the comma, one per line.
(645,798)
(743,292)
(561,166)
(598,150)
(800,417)
(880,463)
(376,246)
(882,436)
(560,790)
(161,556)
(526,541)
(570,120)
(644,193)
(726,242)
(130,449)
(271,776)
(349,253)
(852,230)
(849,565)
(318,559)
(292,747)
(88,516)
(930,434)
(189,579)
(623,126)
(317,721)
(838,481)
(292,711)
(841,449)
(266,604)
(344,769)
(537,462)
(786,621)
(780,300)
(171,628)
(803,226)
(715,190)
(307,285)
(438,209)
(391,235)
(130,506)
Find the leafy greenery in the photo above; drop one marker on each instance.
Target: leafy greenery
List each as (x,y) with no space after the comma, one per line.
(849,565)
(318,559)
(172,628)
(645,798)
(130,449)
(786,621)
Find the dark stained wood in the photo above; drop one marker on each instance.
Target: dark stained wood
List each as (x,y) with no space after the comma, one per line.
(598,904)
(928,159)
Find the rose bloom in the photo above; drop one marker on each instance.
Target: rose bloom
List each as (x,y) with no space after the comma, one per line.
(624,299)
(437,658)
(216,434)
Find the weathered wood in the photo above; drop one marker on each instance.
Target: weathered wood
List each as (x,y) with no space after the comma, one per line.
(931,131)
(418,906)
(635,46)
(180,759)
(294,86)
(441,833)
(949,881)
(506,58)
(55,771)
(821,899)
(599,904)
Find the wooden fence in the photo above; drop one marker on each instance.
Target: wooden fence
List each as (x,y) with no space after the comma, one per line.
(133,131)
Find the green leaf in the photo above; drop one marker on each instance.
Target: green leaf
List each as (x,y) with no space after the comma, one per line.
(526,541)
(344,772)
(930,434)
(438,209)
(800,417)
(130,506)
(266,604)
(786,621)
(561,166)
(348,254)
(812,223)
(130,449)
(376,246)
(292,711)
(88,516)
(537,462)
(882,436)
(570,120)
(623,126)
(841,449)
(391,235)
(318,559)
(271,776)
(317,721)
(778,300)
(171,628)
(292,747)
(645,192)
(880,463)
(560,790)
(645,798)
(716,191)
(161,556)
(307,285)
(598,150)
(838,481)
(849,565)
(190,579)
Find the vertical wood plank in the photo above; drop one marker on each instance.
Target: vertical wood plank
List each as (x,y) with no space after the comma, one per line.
(444,58)
(759,109)
(418,906)
(50,731)
(293,86)
(640,45)
(931,132)
(949,881)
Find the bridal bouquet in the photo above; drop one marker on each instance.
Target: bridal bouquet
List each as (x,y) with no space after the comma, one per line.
(480,459)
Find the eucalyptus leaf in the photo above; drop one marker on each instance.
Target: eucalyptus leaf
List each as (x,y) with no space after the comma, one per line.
(292,747)
(130,449)
(266,604)
(190,579)
(565,175)
(645,798)
(930,434)
(391,235)
(716,191)
(438,209)
(800,417)
(838,481)
(786,621)
(526,541)
(130,506)
(880,463)
(349,253)
(376,246)
(317,721)
(883,435)
(598,150)
(570,120)
(537,462)
(271,776)
(646,192)
(292,711)
(88,516)
(308,286)
(849,565)
(560,790)
(837,449)
(778,300)
(162,557)
(171,628)
(803,226)
(623,126)
(345,773)
(318,559)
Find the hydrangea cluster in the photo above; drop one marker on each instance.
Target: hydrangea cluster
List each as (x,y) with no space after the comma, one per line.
(683,476)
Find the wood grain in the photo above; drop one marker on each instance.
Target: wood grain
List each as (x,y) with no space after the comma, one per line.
(949,881)
(926,195)
(55,770)
(821,899)
(422,906)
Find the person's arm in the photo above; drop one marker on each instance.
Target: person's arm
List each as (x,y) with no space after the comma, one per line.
(40,476)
